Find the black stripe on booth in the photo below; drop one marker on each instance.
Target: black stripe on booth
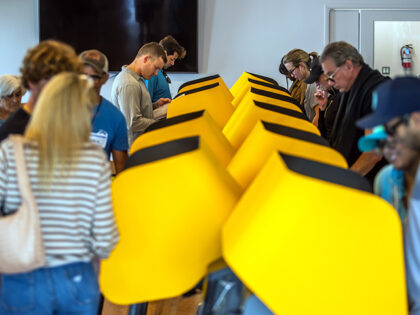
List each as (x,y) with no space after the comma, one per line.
(276,96)
(211,77)
(264,78)
(200,89)
(162,151)
(281,110)
(325,172)
(295,133)
(174,120)
(271,86)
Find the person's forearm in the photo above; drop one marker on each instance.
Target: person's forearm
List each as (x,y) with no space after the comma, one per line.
(365,163)
(119,157)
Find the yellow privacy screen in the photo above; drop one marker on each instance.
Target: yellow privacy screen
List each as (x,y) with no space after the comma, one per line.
(169,203)
(208,97)
(197,123)
(237,86)
(251,83)
(194,84)
(308,238)
(267,138)
(246,116)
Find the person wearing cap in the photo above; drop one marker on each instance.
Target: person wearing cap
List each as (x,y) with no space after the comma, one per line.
(327,99)
(396,106)
(129,92)
(109,129)
(394,181)
(297,63)
(158,85)
(347,72)
(39,65)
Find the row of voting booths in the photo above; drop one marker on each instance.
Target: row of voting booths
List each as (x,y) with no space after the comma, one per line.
(240,178)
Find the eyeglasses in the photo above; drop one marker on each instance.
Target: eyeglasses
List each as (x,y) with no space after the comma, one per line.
(94,77)
(331,77)
(291,71)
(391,128)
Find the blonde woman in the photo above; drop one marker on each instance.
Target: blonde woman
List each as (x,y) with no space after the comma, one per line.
(297,63)
(11,93)
(70,179)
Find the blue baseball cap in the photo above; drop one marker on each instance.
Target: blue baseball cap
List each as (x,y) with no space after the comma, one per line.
(393,98)
(371,142)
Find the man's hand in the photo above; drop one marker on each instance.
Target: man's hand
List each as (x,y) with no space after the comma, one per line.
(321,97)
(162,101)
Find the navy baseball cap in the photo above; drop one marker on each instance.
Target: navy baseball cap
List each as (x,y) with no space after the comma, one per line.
(393,98)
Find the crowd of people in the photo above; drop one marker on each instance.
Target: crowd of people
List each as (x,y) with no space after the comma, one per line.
(71,134)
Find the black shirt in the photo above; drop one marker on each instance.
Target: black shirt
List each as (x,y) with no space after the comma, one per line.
(15,124)
(327,116)
(354,104)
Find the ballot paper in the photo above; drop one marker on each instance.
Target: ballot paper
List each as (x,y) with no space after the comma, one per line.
(160,112)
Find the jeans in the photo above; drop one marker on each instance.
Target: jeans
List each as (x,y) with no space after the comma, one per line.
(67,289)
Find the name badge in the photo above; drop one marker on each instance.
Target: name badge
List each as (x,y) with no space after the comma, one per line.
(100,138)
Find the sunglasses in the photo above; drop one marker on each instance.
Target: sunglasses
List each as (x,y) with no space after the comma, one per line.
(390,129)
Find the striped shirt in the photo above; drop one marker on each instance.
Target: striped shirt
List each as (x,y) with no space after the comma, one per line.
(77,220)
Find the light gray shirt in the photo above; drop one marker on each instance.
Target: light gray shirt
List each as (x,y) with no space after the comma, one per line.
(129,93)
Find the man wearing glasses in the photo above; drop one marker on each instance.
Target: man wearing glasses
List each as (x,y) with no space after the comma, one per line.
(158,85)
(398,108)
(348,73)
(109,129)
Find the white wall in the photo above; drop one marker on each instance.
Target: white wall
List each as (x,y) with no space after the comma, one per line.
(234,35)
(389,38)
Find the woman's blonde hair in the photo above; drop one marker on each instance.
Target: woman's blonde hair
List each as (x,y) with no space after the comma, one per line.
(60,122)
(296,56)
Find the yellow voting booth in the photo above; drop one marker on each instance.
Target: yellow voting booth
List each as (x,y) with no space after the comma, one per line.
(309,238)
(266,138)
(194,84)
(169,203)
(197,123)
(246,116)
(209,98)
(251,83)
(237,86)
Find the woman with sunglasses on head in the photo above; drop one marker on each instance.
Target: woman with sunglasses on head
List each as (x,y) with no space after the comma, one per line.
(297,62)
(70,180)
(11,92)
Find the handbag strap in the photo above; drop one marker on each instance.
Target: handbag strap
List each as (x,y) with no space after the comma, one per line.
(21,170)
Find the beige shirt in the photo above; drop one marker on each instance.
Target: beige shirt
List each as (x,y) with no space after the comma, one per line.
(129,93)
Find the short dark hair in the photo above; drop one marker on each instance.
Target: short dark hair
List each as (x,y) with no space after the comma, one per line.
(339,52)
(170,45)
(154,50)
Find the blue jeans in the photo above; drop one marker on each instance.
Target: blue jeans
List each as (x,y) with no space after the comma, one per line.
(67,289)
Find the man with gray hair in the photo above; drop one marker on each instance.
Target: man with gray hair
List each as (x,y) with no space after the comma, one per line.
(348,73)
